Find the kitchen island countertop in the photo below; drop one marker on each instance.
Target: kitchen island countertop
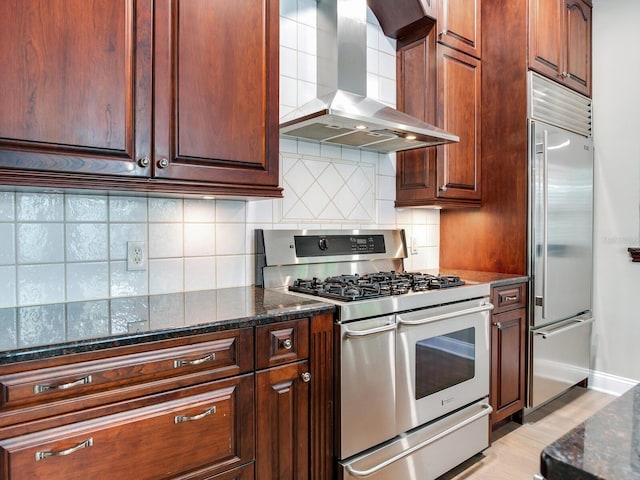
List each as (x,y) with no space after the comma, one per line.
(42,331)
(606,446)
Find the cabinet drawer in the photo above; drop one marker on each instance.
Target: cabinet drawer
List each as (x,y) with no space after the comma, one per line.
(225,355)
(509,297)
(282,342)
(204,433)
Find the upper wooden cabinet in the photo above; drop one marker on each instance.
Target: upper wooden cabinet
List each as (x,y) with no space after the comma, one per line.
(443,86)
(183,92)
(560,41)
(459,25)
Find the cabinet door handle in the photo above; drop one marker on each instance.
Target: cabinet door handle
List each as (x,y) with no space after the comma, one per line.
(182,363)
(163,163)
(306,377)
(288,344)
(64,386)
(498,325)
(144,162)
(186,418)
(510,298)
(61,453)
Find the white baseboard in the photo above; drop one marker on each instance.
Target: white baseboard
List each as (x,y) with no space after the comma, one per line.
(611,384)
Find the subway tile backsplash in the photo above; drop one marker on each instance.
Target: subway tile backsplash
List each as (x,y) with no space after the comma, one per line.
(63,269)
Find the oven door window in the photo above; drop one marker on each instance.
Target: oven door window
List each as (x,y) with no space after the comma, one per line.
(444,361)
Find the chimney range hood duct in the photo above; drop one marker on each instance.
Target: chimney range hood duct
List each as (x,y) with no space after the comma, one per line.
(342,114)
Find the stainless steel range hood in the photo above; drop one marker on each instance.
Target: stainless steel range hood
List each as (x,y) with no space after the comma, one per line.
(342,114)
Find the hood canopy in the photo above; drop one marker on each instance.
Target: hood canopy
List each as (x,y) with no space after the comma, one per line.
(342,114)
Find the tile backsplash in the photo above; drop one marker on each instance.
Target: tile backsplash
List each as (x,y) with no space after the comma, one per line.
(71,248)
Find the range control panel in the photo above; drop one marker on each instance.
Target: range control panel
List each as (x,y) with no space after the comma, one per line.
(323,245)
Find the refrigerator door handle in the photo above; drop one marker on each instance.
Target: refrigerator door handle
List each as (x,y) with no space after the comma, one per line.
(545,216)
(557,331)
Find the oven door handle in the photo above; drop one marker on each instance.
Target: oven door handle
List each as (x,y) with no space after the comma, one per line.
(436,318)
(486,410)
(371,331)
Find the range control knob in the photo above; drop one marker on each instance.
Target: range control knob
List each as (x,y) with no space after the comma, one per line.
(322,243)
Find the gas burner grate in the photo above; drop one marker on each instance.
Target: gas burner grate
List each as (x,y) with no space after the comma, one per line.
(354,287)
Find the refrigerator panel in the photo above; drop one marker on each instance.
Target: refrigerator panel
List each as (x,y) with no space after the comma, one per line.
(562,216)
(560,356)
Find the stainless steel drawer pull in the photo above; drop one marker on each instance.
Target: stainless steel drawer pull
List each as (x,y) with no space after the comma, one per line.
(510,298)
(64,386)
(287,344)
(182,363)
(187,418)
(61,453)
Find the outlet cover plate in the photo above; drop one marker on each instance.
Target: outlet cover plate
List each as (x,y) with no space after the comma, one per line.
(136,256)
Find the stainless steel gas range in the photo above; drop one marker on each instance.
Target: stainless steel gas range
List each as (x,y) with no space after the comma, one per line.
(413,349)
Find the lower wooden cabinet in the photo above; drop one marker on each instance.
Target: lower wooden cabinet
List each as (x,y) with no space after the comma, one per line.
(508,336)
(251,403)
(282,398)
(201,434)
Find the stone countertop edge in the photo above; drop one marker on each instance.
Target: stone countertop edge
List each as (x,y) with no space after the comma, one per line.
(494,278)
(605,446)
(285,313)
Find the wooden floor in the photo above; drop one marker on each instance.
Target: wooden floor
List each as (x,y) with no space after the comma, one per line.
(515,450)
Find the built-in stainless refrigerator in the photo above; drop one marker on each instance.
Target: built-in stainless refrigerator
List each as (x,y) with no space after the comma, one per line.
(560,239)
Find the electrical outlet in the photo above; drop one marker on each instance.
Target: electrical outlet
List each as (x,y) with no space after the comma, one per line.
(136,256)
(414,246)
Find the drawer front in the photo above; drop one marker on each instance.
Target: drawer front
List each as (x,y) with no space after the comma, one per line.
(509,297)
(206,433)
(224,356)
(282,342)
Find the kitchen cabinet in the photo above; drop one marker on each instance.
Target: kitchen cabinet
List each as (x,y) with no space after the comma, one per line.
(206,431)
(560,41)
(223,405)
(178,97)
(294,398)
(182,407)
(459,25)
(283,422)
(508,334)
(440,85)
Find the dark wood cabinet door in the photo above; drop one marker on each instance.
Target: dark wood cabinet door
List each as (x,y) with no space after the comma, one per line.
(560,42)
(75,85)
(282,397)
(459,25)
(415,174)
(459,103)
(216,91)
(507,363)
(545,26)
(577,31)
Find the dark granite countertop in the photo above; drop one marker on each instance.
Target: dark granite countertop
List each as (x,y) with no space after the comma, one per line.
(34,332)
(606,446)
(494,278)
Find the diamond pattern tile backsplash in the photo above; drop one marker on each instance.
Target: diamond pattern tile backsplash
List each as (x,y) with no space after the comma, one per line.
(71,248)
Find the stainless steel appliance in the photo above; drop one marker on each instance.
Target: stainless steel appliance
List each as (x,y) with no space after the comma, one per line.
(413,349)
(561,215)
(342,114)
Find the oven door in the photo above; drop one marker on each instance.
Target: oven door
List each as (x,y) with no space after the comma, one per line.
(443,360)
